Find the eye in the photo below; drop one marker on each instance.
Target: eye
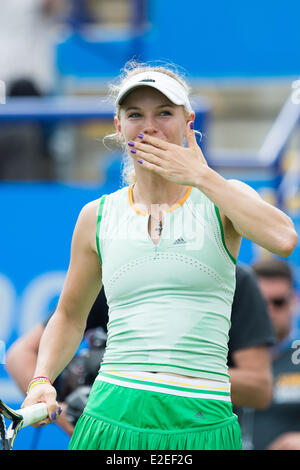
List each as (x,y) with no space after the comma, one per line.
(134,115)
(165,113)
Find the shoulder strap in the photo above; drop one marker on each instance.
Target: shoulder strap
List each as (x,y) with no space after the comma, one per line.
(100,211)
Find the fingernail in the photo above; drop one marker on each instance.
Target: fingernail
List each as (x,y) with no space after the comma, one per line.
(133,151)
(141,136)
(53,415)
(59,410)
(131,143)
(191,125)
(140,161)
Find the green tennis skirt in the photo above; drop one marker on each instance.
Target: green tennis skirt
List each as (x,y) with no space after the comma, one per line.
(146,411)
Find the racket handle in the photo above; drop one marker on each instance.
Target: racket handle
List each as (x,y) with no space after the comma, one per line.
(32,414)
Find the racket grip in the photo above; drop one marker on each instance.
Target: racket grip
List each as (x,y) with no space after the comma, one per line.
(32,414)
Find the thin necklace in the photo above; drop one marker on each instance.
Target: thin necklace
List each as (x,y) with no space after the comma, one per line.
(159,228)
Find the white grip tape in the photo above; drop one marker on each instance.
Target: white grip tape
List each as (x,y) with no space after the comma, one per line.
(32,414)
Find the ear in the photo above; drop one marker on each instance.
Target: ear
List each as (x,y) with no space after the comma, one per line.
(189,131)
(190,117)
(118,126)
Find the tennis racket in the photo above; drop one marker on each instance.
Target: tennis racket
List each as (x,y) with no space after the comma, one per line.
(19,419)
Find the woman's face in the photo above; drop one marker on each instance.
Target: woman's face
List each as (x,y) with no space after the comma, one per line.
(147,111)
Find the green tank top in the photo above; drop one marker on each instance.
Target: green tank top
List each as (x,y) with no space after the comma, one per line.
(170,303)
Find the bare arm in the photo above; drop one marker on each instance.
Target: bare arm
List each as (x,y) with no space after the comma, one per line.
(251,217)
(251,378)
(21,362)
(244,213)
(65,328)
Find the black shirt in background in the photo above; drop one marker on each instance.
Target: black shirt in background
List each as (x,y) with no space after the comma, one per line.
(250,322)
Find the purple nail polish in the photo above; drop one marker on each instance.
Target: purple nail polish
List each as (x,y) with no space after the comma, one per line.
(191,125)
(141,136)
(53,415)
(59,410)
(131,143)
(133,151)
(140,161)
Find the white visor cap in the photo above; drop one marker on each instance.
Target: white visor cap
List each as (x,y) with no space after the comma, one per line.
(167,85)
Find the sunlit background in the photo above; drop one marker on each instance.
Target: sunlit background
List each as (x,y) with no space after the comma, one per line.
(57,59)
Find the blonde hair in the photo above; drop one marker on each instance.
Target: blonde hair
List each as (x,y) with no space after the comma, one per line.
(130,69)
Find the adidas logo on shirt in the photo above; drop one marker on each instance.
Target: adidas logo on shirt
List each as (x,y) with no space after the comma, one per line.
(180,241)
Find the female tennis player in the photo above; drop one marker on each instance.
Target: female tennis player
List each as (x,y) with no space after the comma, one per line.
(165,249)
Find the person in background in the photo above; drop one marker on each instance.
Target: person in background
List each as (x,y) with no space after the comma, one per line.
(27,47)
(278,426)
(25,150)
(250,337)
(27,40)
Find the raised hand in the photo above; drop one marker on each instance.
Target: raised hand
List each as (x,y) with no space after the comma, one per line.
(173,162)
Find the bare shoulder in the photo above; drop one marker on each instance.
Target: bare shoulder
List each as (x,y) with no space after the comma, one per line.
(86,223)
(89,212)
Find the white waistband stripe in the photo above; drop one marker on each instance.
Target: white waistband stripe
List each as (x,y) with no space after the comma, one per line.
(166,384)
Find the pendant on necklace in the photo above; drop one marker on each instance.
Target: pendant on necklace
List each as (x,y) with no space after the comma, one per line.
(159,228)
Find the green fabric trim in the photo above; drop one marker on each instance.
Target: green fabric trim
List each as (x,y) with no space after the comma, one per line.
(222,234)
(100,210)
